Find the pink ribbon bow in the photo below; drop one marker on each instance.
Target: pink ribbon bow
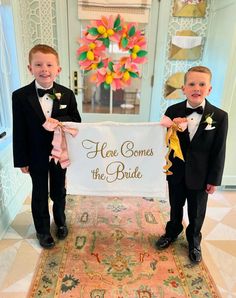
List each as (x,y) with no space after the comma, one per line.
(59,151)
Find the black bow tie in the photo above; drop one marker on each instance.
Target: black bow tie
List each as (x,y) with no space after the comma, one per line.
(42,92)
(198,110)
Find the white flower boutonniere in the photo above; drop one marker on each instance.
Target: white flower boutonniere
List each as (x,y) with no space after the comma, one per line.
(55,95)
(209,120)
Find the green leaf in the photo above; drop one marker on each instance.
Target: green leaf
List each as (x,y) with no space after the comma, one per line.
(86,72)
(83,56)
(119,28)
(110,66)
(141,53)
(100,64)
(123,69)
(117,22)
(124,42)
(93,31)
(106,86)
(133,74)
(106,42)
(131,31)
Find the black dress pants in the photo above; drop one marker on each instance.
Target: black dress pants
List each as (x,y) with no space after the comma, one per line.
(47,183)
(196,207)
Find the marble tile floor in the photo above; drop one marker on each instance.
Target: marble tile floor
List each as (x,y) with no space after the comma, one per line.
(19,250)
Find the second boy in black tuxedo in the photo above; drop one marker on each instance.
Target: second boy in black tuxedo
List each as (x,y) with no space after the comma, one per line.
(32,105)
(203,146)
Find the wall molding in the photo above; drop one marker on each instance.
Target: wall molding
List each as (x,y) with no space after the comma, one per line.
(14,188)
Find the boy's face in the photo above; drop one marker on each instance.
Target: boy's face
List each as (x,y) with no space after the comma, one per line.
(197,87)
(45,68)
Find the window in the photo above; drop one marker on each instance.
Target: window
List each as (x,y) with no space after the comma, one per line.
(9,75)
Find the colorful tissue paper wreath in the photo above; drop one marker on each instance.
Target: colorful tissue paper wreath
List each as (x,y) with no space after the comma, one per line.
(92,52)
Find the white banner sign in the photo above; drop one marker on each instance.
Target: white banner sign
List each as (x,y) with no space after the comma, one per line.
(117,159)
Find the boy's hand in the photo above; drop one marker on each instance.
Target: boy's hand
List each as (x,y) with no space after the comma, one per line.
(25,170)
(52,120)
(210,189)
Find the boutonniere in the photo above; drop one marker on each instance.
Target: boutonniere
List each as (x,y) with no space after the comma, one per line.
(209,121)
(55,95)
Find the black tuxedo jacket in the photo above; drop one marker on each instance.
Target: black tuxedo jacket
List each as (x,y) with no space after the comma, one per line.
(205,155)
(31,142)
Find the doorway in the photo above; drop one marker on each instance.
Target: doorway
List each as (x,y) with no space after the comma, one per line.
(95,103)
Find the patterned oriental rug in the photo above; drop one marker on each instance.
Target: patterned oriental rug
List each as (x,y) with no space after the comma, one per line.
(110,253)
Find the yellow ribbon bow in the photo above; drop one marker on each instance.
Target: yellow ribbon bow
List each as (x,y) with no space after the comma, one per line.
(172,139)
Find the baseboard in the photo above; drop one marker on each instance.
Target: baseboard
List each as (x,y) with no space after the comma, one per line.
(228,187)
(229,181)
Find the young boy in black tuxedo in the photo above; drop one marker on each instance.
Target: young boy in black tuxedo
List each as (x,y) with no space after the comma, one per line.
(203,147)
(32,144)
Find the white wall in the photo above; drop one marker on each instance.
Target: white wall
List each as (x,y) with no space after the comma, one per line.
(220,56)
(14,188)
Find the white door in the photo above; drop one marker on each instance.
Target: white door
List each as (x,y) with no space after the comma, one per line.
(131,104)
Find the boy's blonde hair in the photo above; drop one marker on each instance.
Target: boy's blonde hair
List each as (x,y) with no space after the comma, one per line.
(43,48)
(203,69)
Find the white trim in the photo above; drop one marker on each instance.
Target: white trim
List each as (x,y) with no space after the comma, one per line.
(159,61)
(229,105)
(63,42)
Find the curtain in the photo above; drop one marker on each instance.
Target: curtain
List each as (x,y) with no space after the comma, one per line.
(9,76)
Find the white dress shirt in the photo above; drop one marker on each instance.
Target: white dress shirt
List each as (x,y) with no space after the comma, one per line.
(45,101)
(194,120)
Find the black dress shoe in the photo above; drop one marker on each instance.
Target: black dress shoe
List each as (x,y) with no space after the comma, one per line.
(62,232)
(195,255)
(164,242)
(45,240)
